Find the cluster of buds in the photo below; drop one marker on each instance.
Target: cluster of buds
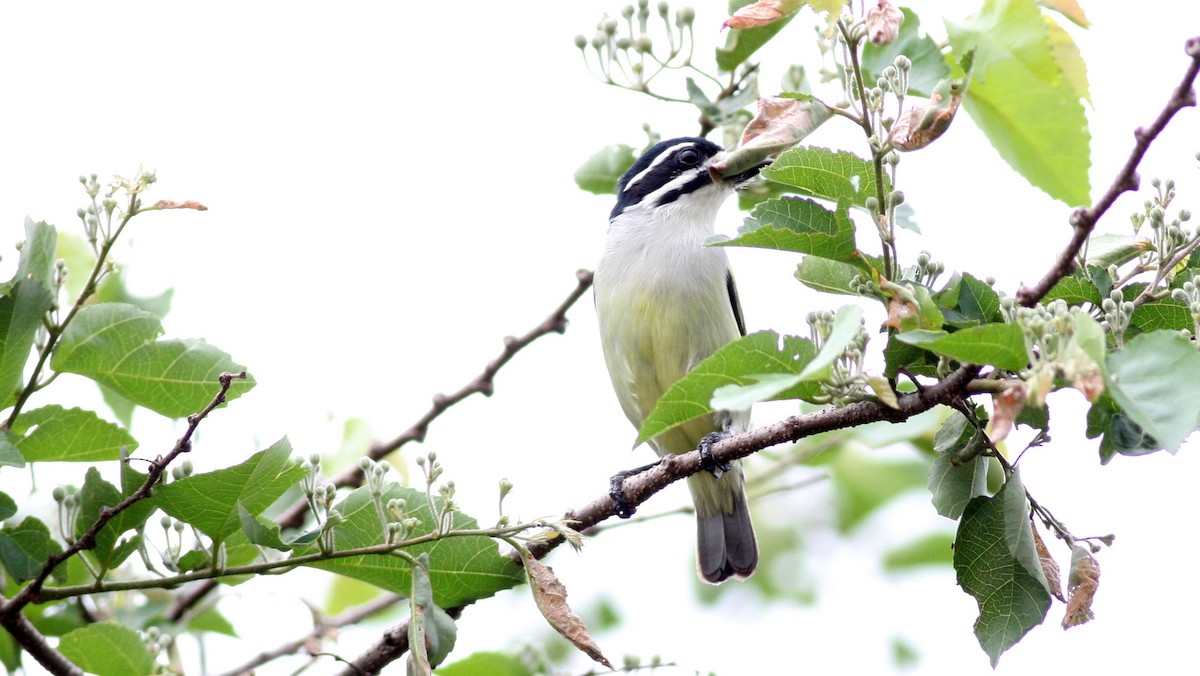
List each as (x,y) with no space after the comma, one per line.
(1189,294)
(847,381)
(624,49)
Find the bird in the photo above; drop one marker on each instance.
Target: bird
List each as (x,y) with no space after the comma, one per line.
(664,303)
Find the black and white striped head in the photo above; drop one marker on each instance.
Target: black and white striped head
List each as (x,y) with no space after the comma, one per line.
(670,170)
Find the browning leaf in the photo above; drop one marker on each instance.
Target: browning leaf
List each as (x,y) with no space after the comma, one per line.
(1007,406)
(883,23)
(171,204)
(1081,587)
(551,598)
(761,13)
(1049,565)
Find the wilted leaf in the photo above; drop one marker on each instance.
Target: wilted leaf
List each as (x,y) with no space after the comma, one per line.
(780,124)
(1006,407)
(551,598)
(883,23)
(172,204)
(921,125)
(1082,584)
(1049,565)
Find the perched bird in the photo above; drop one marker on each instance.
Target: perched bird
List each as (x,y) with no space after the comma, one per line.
(665,302)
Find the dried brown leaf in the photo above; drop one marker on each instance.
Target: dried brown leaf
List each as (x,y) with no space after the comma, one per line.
(761,13)
(883,22)
(551,598)
(780,124)
(919,126)
(1006,407)
(1049,565)
(1081,587)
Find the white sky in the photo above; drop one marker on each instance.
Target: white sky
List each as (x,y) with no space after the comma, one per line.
(390,194)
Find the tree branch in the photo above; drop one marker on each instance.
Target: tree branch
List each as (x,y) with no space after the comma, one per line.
(1084,220)
(483,383)
(10,611)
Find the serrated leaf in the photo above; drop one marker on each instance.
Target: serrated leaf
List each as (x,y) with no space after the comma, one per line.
(25,548)
(1000,345)
(1164,314)
(799,225)
(107,649)
(741,44)
(1155,379)
(738,363)
(978,301)
(928,65)
(69,435)
(1075,289)
(996,562)
(826,174)
(22,308)
(97,494)
(600,172)
(952,481)
(1022,99)
(115,344)
(211,501)
(461,569)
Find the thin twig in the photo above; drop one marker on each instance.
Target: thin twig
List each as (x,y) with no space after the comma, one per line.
(10,611)
(1084,220)
(322,628)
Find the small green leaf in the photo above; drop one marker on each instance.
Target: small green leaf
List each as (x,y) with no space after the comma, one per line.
(799,225)
(978,301)
(69,435)
(95,495)
(22,308)
(826,174)
(260,530)
(115,345)
(829,276)
(8,506)
(490,663)
(462,569)
(995,560)
(738,363)
(1155,380)
(25,548)
(107,649)
(9,454)
(1023,100)
(900,355)
(600,173)
(1075,289)
(212,501)
(1120,435)
(1001,345)
(952,481)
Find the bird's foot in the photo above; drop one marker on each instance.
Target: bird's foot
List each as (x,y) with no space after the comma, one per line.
(707,461)
(616,489)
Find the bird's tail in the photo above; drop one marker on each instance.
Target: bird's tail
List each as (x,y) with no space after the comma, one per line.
(725,537)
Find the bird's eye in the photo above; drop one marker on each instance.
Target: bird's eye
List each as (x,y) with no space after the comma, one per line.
(689,157)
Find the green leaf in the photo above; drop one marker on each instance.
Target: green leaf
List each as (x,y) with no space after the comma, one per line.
(1166,313)
(490,663)
(115,345)
(933,549)
(846,325)
(25,549)
(69,435)
(978,301)
(97,494)
(928,64)
(830,276)
(261,531)
(900,355)
(600,172)
(22,308)
(797,224)
(1075,289)
(9,454)
(1001,345)
(8,506)
(741,44)
(953,482)
(738,363)
(211,501)
(37,253)
(462,569)
(1120,435)
(864,484)
(826,174)
(1023,100)
(1155,380)
(107,649)
(995,560)
(211,620)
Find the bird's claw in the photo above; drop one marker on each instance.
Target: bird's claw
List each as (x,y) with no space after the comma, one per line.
(707,460)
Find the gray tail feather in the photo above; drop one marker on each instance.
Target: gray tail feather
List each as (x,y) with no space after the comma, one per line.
(725,542)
